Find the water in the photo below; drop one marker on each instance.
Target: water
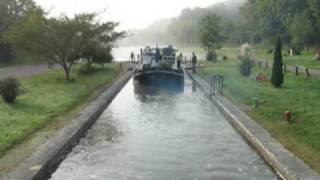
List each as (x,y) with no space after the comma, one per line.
(162,136)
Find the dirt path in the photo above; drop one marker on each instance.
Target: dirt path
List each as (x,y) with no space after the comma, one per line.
(23,71)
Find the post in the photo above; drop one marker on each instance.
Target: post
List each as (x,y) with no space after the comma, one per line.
(267,64)
(259,64)
(307,72)
(297,71)
(221,85)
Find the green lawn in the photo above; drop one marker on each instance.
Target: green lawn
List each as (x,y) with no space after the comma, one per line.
(299,94)
(44,98)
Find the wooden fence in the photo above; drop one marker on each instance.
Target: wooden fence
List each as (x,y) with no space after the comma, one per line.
(298,70)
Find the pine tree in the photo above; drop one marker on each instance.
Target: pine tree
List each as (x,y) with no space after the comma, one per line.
(277,71)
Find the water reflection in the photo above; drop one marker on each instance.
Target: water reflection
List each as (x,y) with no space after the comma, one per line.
(142,89)
(162,136)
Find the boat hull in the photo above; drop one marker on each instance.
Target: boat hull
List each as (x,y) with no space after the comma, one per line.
(172,80)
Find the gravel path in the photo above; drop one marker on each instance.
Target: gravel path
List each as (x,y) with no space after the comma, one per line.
(23,71)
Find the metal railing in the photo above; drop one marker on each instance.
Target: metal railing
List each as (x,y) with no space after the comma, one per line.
(216,84)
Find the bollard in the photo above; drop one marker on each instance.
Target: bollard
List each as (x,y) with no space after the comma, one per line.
(297,71)
(307,72)
(267,65)
(288,116)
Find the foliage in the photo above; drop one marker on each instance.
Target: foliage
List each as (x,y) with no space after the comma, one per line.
(211,56)
(277,70)
(224,57)
(62,40)
(95,54)
(210,31)
(9,89)
(11,12)
(245,66)
(297,22)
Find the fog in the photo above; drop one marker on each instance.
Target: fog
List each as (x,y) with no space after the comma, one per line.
(135,14)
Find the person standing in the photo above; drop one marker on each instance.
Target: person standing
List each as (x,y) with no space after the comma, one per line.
(132,57)
(194,63)
(179,59)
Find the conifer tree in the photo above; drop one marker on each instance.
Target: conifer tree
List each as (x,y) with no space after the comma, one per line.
(277,70)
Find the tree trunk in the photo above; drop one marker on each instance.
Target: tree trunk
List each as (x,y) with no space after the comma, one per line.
(66,73)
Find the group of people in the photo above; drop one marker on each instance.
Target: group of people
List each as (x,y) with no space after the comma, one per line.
(194,61)
(133,57)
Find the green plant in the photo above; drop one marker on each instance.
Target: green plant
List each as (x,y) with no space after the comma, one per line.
(245,67)
(211,56)
(9,89)
(224,58)
(86,69)
(277,70)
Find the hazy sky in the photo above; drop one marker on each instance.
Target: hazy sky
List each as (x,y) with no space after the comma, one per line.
(130,13)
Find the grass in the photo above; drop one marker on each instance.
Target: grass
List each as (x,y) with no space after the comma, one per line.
(299,94)
(45,98)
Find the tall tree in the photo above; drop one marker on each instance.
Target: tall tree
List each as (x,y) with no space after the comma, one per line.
(277,70)
(61,40)
(11,12)
(210,31)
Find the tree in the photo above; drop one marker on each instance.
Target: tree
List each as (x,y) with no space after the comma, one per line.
(12,12)
(296,21)
(210,35)
(277,70)
(210,31)
(61,40)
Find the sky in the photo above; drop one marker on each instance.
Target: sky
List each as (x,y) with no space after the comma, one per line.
(131,14)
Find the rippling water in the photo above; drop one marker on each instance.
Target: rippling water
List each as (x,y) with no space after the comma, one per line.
(162,136)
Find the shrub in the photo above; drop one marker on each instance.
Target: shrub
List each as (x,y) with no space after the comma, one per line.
(270,51)
(9,89)
(211,56)
(86,69)
(245,67)
(277,70)
(224,58)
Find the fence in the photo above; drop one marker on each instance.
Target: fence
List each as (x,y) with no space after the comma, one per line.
(298,70)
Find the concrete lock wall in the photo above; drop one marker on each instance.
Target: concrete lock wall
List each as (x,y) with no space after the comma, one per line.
(42,163)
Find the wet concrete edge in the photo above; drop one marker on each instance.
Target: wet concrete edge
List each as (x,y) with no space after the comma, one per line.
(43,162)
(286,164)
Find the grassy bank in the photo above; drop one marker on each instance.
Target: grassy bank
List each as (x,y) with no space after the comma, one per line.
(299,94)
(46,97)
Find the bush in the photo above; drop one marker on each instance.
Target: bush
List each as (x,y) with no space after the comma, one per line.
(224,58)
(86,69)
(245,67)
(277,70)
(270,51)
(211,56)
(9,89)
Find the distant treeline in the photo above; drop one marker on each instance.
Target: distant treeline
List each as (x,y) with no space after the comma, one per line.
(252,21)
